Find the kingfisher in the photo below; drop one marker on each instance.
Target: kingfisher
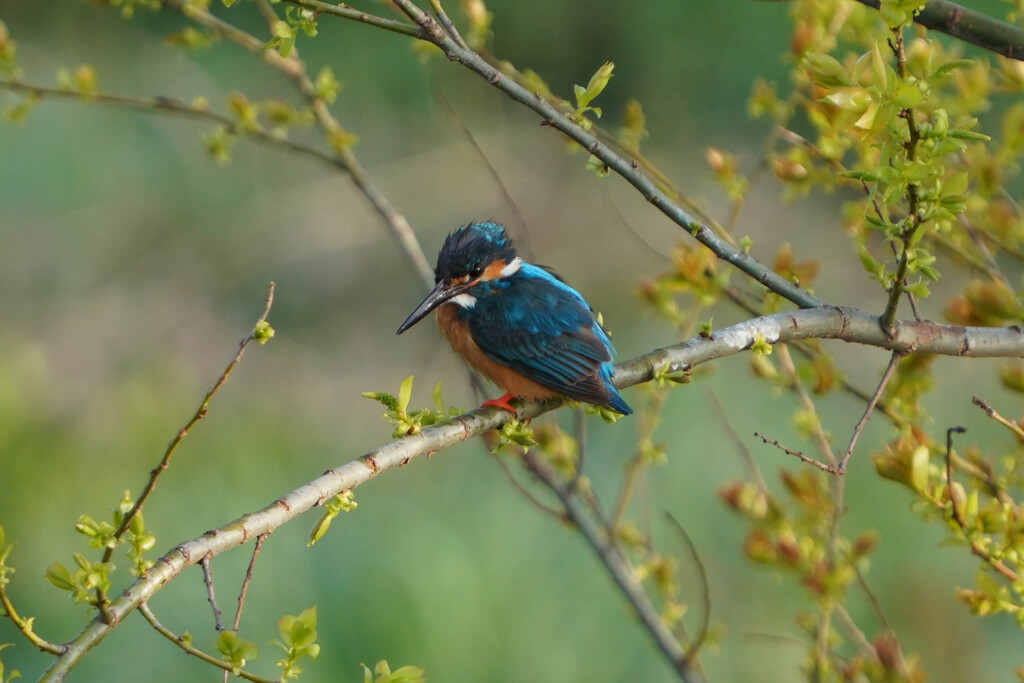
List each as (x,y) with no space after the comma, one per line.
(517,324)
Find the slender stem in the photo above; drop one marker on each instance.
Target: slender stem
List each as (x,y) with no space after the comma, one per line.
(705,592)
(991,412)
(295,70)
(175,107)
(248,578)
(893,362)
(958,517)
(741,446)
(347,12)
(628,169)
(831,469)
(201,412)
(619,569)
(449,25)
(194,651)
(25,625)
(896,285)
(210,596)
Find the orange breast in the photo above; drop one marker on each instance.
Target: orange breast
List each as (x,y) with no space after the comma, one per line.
(457,334)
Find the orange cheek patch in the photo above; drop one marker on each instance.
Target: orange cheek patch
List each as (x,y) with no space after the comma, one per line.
(493,271)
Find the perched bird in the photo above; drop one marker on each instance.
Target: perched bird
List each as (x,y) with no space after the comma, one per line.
(518,324)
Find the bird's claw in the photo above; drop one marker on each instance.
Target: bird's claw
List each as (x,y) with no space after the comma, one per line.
(500,403)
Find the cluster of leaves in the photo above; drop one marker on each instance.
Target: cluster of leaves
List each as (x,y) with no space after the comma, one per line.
(895,120)
(795,535)
(91,576)
(382,673)
(411,422)
(984,514)
(285,32)
(298,640)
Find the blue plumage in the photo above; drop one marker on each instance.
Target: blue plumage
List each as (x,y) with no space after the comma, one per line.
(518,317)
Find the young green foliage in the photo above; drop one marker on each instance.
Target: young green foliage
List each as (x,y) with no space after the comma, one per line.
(298,640)
(382,673)
(235,650)
(411,422)
(584,96)
(343,502)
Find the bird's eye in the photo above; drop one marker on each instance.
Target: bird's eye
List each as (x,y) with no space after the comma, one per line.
(475,272)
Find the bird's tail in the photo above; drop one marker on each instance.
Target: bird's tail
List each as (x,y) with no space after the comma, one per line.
(615,400)
(618,404)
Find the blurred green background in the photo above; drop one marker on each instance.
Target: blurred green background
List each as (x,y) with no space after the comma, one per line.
(131,265)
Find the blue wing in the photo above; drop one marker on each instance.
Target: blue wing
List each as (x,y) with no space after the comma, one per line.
(541,327)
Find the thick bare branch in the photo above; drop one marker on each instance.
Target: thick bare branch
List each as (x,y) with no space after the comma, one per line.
(844,324)
(969,26)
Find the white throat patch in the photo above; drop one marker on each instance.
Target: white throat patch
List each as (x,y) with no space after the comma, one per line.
(464,300)
(511,267)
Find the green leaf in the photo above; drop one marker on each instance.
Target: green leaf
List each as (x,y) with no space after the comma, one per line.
(950,66)
(235,650)
(919,468)
(404,394)
(824,69)
(908,96)
(866,176)
(597,166)
(438,401)
(327,86)
(59,576)
(595,87)
(968,135)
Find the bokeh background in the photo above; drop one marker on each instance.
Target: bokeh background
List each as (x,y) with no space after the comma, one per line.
(131,265)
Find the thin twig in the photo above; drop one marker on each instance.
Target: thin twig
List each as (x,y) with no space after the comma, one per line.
(705,590)
(893,362)
(741,446)
(175,107)
(523,239)
(210,597)
(537,503)
(991,412)
(628,169)
(976,547)
(201,412)
(194,651)
(797,454)
(876,606)
(580,424)
(25,625)
(248,577)
(821,439)
(294,69)
(448,24)
(619,569)
(896,284)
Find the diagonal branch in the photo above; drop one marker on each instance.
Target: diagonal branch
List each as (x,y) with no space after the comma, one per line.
(969,26)
(431,31)
(844,324)
(683,662)
(295,70)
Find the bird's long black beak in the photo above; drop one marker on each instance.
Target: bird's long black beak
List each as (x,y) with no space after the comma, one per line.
(441,293)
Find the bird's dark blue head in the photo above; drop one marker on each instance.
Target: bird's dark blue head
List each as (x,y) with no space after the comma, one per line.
(474,252)
(470,249)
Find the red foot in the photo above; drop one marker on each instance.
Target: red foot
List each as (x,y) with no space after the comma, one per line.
(500,403)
